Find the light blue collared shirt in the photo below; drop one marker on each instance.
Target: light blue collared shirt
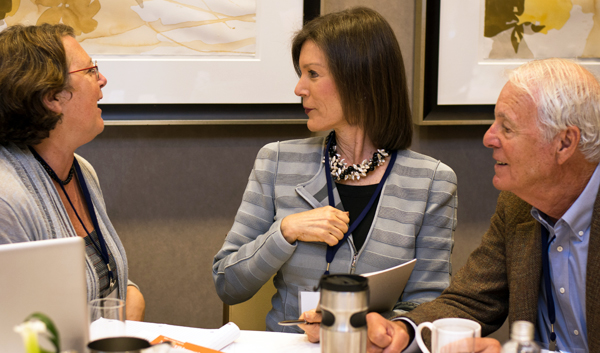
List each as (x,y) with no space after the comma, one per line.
(568,252)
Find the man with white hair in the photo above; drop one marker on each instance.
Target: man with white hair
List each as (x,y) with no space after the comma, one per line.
(545,140)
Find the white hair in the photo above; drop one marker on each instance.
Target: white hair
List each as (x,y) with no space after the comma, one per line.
(566,94)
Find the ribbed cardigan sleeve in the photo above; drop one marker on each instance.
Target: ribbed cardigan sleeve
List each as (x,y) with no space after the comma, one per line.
(254,249)
(434,241)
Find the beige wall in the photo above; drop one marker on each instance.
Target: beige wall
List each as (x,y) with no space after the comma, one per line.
(172,191)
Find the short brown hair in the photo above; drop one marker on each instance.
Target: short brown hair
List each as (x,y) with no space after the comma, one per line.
(366,64)
(33,65)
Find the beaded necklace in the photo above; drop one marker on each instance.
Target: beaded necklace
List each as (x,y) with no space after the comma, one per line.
(340,170)
(51,172)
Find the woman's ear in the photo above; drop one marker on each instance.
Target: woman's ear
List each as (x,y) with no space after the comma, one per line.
(52,102)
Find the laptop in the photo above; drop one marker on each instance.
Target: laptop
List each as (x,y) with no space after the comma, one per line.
(46,276)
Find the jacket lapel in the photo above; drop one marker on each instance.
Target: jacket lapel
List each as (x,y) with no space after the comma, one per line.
(314,191)
(592,281)
(527,271)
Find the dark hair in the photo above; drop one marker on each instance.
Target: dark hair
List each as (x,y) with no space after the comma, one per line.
(366,64)
(33,65)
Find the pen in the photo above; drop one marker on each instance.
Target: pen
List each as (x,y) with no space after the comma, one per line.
(293,322)
(299,322)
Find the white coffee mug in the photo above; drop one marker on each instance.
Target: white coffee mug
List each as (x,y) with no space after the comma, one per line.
(446,331)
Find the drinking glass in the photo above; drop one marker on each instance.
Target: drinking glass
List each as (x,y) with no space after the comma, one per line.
(107,318)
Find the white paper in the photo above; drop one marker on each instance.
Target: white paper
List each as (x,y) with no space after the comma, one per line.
(385,288)
(210,338)
(387,285)
(272,342)
(309,300)
(103,328)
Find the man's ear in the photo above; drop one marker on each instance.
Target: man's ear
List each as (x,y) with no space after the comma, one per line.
(52,102)
(568,142)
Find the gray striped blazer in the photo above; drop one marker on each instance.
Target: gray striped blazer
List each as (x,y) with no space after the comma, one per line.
(415,218)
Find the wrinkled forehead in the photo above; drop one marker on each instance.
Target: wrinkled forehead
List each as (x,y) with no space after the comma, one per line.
(515,103)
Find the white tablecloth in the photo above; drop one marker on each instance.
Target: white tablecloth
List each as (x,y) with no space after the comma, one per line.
(246,342)
(271,342)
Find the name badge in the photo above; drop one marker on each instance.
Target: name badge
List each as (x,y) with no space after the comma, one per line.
(308,300)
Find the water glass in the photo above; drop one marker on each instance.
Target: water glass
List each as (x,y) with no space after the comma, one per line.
(107,318)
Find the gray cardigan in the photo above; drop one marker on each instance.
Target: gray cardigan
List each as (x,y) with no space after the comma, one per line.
(415,218)
(31,209)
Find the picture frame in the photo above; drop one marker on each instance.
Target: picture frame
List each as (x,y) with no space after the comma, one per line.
(426,110)
(265,97)
(211,113)
(454,82)
(206,89)
(263,78)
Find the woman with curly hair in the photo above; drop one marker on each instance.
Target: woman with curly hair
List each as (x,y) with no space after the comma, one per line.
(49,93)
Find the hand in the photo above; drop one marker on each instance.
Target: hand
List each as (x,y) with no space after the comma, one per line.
(324,224)
(313,329)
(385,336)
(482,345)
(135,305)
(487,345)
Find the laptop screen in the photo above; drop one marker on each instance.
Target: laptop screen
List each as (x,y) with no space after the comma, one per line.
(46,276)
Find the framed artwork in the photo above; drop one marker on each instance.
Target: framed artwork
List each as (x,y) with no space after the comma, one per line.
(203,60)
(465,48)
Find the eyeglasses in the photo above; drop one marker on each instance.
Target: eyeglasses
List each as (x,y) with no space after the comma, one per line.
(95,68)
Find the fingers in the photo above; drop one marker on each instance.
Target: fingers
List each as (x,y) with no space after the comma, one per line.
(377,333)
(400,338)
(487,345)
(385,336)
(313,329)
(337,220)
(340,226)
(325,224)
(312,332)
(312,316)
(477,345)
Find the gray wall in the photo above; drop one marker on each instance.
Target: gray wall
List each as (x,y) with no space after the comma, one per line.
(172,191)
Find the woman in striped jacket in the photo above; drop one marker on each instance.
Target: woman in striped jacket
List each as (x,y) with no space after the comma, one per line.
(355,201)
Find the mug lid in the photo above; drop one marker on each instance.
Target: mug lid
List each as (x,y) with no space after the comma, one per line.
(344,283)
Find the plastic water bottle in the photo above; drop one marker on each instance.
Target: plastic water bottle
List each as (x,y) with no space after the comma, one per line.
(521,339)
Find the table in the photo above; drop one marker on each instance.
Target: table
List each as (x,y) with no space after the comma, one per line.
(245,341)
(271,342)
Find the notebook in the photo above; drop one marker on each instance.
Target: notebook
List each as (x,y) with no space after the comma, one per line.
(385,287)
(46,276)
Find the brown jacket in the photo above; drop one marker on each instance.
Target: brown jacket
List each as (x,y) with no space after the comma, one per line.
(502,276)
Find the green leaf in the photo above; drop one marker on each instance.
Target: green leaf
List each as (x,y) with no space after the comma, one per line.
(516,36)
(54,336)
(5,7)
(500,15)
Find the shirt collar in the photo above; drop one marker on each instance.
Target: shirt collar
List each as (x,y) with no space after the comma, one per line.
(579,216)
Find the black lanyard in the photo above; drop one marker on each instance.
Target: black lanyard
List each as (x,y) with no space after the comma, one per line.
(91,209)
(332,250)
(102,250)
(548,283)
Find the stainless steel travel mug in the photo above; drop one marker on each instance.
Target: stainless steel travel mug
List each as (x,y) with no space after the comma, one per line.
(344,305)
